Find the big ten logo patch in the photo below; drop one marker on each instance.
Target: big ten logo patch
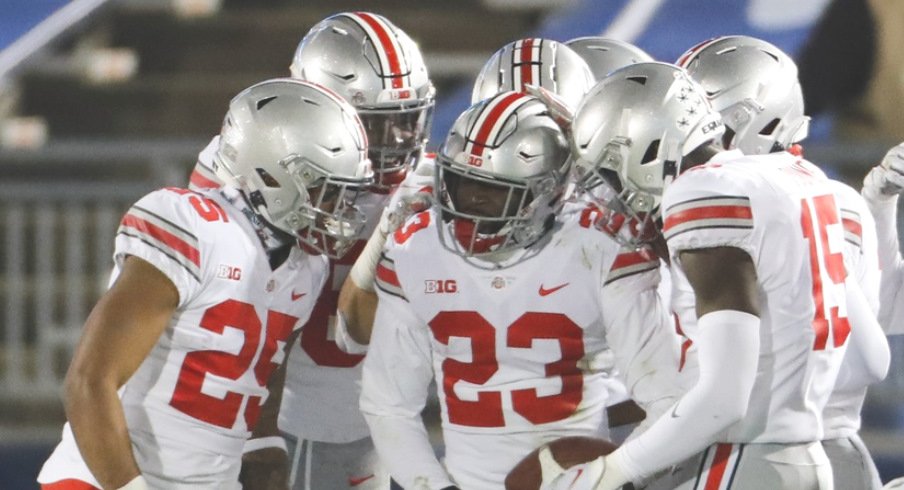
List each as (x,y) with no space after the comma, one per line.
(438,286)
(229,272)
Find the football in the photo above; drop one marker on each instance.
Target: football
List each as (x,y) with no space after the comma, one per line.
(567,451)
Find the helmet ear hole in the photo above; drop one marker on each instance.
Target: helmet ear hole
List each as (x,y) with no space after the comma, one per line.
(268,179)
(770,128)
(651,153)
(727,137)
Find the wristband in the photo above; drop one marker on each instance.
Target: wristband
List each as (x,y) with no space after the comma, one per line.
(259,443)
(364,272)
(137,483)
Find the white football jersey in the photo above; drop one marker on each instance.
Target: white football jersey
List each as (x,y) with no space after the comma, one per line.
(782,211)
(320,397)
(517,352)
(194,400)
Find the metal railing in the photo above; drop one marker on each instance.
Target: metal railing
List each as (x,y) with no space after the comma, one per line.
(56,245)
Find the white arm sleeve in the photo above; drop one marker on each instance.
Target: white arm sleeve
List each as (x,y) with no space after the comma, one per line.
(891,293)
(395,382)
(641,336)
(867,357)
(728,347)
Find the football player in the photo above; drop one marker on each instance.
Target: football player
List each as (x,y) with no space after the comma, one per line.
(755,88)
(380,71)
(758,242)
(509,306)
(171,371)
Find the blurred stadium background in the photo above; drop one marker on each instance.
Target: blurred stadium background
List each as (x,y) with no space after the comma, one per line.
(102,101)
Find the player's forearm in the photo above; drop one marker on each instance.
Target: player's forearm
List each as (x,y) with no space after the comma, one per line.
(357,307)
(728,348)
(98,422)
(404,447)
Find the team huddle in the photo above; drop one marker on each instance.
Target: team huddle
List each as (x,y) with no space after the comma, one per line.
(601,240)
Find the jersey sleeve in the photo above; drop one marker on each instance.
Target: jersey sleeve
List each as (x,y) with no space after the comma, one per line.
(161,228)
(395,383)
(203,175)
(705,208)
(640,334)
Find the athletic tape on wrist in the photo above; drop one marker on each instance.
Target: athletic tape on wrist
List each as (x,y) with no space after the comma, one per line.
(264,443)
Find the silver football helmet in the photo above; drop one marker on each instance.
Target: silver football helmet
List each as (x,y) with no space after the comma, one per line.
(538,62)
(754,85)
(298,154)
(632,131)
(605,55)
(501,176)
(376,67)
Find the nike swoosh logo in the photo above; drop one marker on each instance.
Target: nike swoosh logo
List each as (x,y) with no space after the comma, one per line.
(546,292)
(296,297)
(580,472)
(354,482)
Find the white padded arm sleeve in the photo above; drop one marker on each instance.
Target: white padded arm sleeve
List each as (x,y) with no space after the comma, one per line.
(728,348)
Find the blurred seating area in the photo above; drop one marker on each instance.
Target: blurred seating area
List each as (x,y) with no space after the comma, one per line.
(102,101)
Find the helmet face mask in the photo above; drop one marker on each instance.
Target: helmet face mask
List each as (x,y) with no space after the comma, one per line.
(297,153)
(396,140)
(376,67)
(499,182)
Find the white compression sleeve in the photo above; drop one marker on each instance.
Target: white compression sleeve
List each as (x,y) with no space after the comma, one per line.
(728,348)
(364,270)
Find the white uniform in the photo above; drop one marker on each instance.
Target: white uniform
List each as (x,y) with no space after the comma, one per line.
(784,213)
(852,465)
(322,387)
(194,400)
(515,350)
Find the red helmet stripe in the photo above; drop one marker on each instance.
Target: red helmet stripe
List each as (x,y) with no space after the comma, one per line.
(491,119)
(389,52)
(527,64)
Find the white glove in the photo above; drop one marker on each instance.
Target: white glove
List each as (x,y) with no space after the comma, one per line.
(406,206)
(887,178)
(896,484)
(579,477)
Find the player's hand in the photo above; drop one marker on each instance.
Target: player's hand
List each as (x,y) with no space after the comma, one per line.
(582,476)
(407,206)
(265,469)
(896,484)
(886,179)
(893,163)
